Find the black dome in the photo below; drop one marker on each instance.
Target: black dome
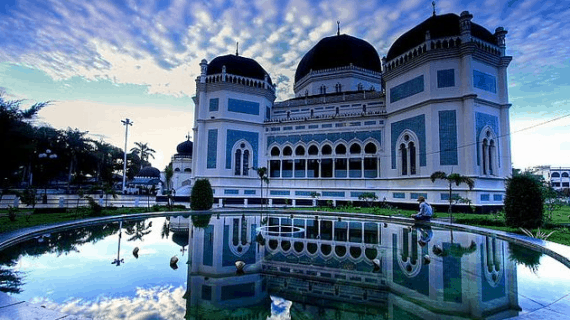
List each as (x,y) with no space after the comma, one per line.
(446,25)
(339,51)
(237,65)
(185,148)
(149,172)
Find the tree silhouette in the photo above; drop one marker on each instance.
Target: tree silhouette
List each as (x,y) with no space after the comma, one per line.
(144,152)
(262,174)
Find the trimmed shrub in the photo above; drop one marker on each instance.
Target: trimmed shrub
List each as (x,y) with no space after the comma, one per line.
(202,197)
(524,202)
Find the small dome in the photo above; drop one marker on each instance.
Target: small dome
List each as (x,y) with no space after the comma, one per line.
(185,148)
(339,51)
(237,65)
(439,26)
(149,172)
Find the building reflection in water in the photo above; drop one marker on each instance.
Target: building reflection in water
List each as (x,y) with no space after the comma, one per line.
(325,267)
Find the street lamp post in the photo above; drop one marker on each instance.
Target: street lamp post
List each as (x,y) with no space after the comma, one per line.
(46,155)
(126,123)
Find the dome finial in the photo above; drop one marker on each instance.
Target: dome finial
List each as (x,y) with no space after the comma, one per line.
(433,5)
(237,48)
(338,28)
(188,136)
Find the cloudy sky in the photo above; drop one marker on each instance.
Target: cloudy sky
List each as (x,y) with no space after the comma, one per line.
(103,61)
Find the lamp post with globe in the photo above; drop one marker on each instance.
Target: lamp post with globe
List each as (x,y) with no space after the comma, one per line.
(47,155)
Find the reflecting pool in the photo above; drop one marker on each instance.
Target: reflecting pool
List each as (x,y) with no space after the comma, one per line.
(294,267)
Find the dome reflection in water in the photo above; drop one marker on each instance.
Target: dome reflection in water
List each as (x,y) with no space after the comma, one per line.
(326,269)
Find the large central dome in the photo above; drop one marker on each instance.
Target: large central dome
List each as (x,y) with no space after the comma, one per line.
(339,51)
(237,65)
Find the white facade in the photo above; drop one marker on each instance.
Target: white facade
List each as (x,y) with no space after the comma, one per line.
(557,177)
(442,105)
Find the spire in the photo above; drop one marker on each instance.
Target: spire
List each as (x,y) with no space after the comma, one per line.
(188,136)
(338,28)
(433,5)
(237,48)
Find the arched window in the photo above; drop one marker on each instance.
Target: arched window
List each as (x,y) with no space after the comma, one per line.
(555,175)
(370,148)
(488,152)
(355,148)
(300,151)
(177,170)
(327,149)
(340,149)
(323,89)
(564,174)
(338,87)
(313,150)
(242,159)
(408,154)
(287,151)
(187,170)
(360,87)
(275,152)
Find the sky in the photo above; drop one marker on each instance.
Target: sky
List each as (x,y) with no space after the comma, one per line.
(100,62)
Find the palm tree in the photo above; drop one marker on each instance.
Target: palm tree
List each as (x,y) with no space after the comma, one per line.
(262,174)
(168,173)
(144,152)
(451,179)
(76,143)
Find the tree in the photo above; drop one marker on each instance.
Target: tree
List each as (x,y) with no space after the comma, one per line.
(144,152)
(368,197)
(76,144)
(16,140)
(524,202)
(168,174)
(202,197)
(453,178)
(262,174)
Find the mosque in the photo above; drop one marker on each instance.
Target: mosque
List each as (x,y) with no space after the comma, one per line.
(437,101)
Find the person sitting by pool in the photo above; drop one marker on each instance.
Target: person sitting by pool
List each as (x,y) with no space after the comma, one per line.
(425,210)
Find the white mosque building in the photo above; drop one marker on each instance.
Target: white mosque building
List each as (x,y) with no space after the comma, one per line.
(437,101)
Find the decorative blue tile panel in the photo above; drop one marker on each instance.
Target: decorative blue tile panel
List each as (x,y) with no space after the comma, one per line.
(415,124)
(233,136)
(238,291)
(445,78)
(485,197)
(497,197)
(279,192)
(279,112)
(249,191)
(228,257)
(416,195)
(340,125)
(399,195)
(208,255)
(447,138)
(305,109)
(243,106)
(295,110)
(355,124)
(275,129)
(214,104)
(303,193)
(299,127)
(313,126)
(287,128)
(369,123)
(407,89)
(212,148)
(231,191)
(484,81)
(332,136)
(482,120)
(445,196)
(327,125)
(267,113)
(358,194)
(336,194)
(329,107)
